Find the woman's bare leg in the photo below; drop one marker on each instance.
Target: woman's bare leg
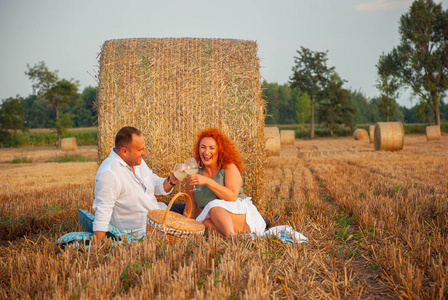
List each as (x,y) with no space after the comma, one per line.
(225,222)
(222,221)
(209,226)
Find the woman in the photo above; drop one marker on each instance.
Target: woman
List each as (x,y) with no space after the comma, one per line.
(220,202)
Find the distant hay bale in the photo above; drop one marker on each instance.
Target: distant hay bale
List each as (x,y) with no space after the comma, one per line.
(171,88)
(371,133)
(389,136)
(287,137)
(360,134)
(69,144)
(433,133)
(273,145)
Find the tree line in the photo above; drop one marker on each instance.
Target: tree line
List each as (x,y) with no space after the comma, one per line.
(55,103)
(287,105)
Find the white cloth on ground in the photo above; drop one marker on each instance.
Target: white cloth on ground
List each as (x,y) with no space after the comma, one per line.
(254,220)
(286,233)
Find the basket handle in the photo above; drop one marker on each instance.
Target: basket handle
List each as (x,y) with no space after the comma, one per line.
(190,207)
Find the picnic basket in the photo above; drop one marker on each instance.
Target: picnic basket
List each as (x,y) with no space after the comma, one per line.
(174,225)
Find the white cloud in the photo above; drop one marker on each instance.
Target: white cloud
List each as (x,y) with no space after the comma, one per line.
(383,5)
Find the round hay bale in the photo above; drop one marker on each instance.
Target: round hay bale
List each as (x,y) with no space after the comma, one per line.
(273,144)
(433,133)
(69,144)
(142,79)
(360,134)
(287,137)
(371,133)
(389,136)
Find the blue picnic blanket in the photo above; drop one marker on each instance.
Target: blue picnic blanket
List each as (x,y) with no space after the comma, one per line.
(84,237)
(284,233)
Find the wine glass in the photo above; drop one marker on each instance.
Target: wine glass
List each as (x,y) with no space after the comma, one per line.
(191,167)
(179,172)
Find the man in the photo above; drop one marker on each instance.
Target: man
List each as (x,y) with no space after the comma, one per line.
(125,187)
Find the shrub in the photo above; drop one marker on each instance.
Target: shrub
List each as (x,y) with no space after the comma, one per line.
(47,137)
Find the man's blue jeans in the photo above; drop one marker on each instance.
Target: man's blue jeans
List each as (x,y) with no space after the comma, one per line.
(177,207)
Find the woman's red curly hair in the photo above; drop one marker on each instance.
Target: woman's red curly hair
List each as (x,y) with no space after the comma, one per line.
(227,150)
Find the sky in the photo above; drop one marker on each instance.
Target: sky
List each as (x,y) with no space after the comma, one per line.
(68,35)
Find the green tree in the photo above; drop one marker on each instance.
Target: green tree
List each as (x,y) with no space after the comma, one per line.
(57,92)
(362,108)
(303,108)
(398,115)
(444,111)
(89,99)
(280,100)
(38,112)
(422,56)
(83,108)
(288,104)
(388,84)
(12,117)
(375,113)
(335,109)
(270,94)
(410,115)
(423,112)
(310,75)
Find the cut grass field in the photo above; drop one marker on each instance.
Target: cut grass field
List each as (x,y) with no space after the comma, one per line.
(48,154)
(376,224)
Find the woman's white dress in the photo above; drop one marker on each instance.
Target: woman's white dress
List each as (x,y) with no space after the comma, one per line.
(239,206)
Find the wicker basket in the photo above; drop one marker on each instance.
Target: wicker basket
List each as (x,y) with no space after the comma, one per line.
(174,225)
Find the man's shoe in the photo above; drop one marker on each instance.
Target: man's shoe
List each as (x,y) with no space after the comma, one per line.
(272,221)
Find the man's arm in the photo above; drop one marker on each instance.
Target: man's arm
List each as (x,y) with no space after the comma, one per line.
(107,187)
(170,182)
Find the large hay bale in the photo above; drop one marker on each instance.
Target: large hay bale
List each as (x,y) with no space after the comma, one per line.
(360,134)
(389,136)
(69,144)
(433,133)
(273,145)
(371,133)
(171,88)
(287,137)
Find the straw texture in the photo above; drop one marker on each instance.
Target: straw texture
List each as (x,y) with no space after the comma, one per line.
(389,136)
(273,145)
(69,144)
(371,133)
(433,133)
(360,134)
(287,137)
(171,88)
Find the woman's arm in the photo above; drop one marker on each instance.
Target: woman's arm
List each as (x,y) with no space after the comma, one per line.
(232,183)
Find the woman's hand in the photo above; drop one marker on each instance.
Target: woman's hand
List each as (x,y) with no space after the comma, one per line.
(232,183)
(197,179)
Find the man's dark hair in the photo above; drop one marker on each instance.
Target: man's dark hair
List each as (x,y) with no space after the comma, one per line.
(124,136)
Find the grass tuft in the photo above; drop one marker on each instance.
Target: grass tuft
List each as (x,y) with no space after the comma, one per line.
(19,160)
(71,158)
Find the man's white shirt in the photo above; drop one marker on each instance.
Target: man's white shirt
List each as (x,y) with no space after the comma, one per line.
(123,198)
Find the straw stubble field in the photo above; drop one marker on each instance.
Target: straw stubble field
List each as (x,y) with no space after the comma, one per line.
(376,223)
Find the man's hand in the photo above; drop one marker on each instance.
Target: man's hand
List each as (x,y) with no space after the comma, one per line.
(99,235)
(167,186)
(173,178)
